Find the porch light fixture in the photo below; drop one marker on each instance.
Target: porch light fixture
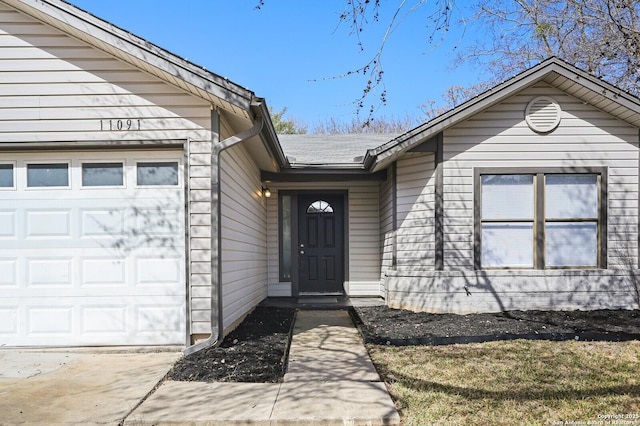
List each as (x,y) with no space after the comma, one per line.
(266,192)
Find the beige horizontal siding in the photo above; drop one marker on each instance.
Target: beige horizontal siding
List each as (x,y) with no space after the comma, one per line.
(415,189)
(496,291)
(244,236)
(54,87)
(500,137)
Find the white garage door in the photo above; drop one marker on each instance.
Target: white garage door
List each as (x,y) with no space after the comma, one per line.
(92,248)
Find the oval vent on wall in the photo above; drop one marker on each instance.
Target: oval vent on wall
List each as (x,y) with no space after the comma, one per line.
(543,114)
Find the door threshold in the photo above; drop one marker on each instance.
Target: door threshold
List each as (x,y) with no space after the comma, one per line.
(316,300)
(320,298)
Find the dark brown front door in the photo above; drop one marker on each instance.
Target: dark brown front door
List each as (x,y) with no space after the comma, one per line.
(321,244)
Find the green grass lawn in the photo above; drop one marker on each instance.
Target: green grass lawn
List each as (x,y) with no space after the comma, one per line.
(513,382)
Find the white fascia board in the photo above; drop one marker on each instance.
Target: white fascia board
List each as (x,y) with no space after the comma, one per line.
(132,49)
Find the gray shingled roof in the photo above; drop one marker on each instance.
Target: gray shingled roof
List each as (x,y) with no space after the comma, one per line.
(333,150)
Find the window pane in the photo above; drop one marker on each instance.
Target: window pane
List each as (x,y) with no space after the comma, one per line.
(102,174)
(320,206)
(507,197)
(6,175)
(571,244)
(507,245)
(285,273)
(158,173)
(571,196)
(42,175)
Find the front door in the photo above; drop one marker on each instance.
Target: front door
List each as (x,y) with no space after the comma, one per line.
(321,244)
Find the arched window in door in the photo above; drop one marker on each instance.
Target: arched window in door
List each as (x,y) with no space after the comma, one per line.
(319,206)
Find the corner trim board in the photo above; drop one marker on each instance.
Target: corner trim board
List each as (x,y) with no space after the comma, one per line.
(439,204)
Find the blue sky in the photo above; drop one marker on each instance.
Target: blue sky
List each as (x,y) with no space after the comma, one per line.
(288,51)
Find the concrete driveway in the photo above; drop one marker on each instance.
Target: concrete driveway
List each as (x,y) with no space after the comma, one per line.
(86,386)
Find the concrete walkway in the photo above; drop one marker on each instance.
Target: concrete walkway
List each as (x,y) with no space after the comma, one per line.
(330,381)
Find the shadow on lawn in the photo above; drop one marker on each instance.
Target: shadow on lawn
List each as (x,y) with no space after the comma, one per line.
(545,393)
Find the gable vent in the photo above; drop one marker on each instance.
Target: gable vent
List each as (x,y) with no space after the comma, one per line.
(543,114)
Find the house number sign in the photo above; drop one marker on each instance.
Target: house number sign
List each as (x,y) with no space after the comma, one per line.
(120,124)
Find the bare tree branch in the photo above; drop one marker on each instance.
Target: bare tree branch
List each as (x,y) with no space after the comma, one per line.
(359,15)
(599,36)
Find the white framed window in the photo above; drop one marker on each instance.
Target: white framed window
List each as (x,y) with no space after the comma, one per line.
(157,173)
(571,220)
(48,175)
(103,174)
(540,219)
(508,214)
(7,176)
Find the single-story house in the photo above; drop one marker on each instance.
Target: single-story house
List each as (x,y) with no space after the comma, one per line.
(145,200)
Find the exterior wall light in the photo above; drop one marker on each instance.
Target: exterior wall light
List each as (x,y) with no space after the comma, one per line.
(266,192)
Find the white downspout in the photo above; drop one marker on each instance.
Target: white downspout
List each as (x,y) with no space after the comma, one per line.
(217,317)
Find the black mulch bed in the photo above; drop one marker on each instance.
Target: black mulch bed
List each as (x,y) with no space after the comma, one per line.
(386,326)
(256,350)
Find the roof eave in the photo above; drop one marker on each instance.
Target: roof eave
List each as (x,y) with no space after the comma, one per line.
(138,52)
(269,136)
(496,95)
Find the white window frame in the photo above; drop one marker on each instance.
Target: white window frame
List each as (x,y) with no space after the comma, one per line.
(122,162)
(14,166)
(44,188)
(158,160)
(540,220)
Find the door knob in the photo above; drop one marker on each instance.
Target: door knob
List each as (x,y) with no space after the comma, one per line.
(301,251)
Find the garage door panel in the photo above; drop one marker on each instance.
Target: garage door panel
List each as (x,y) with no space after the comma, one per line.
(45,223)
(8,225)
(8,323)
(50,320)
(91,272)
(47,272)
(156,271)
(8,272)
(104,320)
(92,266)
(71,321)
(52,294)
(107,223)
(157,220)
(103,272)
(157,318)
